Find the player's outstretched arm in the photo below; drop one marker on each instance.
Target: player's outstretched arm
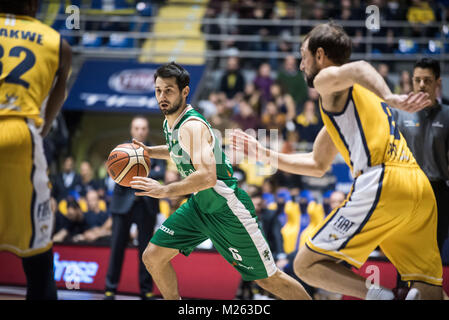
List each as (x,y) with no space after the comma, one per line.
(59,91)
(197,141)
(315,163)
(155,152)
(335,79)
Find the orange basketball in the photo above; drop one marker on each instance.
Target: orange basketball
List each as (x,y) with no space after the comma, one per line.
(127,161)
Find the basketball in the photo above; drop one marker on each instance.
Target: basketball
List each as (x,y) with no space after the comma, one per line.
(127,161)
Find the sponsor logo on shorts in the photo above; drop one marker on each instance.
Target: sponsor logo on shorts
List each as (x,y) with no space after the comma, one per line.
(266,255)
(167,230)
(246,267)
(43,211)
(343,224)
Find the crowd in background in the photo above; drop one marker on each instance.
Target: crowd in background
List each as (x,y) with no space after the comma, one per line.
(281,34)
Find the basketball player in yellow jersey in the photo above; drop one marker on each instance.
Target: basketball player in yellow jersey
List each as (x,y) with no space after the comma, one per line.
(391,203)
(34,66)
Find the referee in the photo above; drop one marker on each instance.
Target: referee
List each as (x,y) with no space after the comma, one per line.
(427,136)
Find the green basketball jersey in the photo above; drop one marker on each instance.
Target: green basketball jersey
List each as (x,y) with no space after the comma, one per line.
(212,199)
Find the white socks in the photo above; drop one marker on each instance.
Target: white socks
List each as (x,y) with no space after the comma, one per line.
(377,293)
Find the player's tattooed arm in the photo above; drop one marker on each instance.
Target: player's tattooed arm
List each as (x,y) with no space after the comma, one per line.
(315,163)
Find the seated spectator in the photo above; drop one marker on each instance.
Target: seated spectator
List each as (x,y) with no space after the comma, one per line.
(292,79)
(88,180)
(263,81)
(95,217)
(273,118)
(419,14)
(284,101)
(254,98)
(69,225)
(67,181)
(383,70)
(232,81)
(245,117)
(308,123)
(405,85)
(98,221)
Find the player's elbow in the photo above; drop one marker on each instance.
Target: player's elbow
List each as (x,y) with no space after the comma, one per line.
(320,170)
(208,179)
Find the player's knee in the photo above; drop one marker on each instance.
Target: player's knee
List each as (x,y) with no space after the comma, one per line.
(149,257)
(301,264)
(267,282)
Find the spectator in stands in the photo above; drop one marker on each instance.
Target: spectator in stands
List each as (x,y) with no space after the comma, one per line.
(420,14)
(263,81)
(336,198)
(405,85)
(284,101)
(273,118)
(67,181)
(232,82)
(254,97)
(221,120)
(245,117)
(292,79)
(285,35)
(69,225)
(270,225)
(308,123)
(383,70)
(260,30)
(95,218)
(88,180)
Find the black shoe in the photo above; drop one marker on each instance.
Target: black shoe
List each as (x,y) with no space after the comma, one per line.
(109,295)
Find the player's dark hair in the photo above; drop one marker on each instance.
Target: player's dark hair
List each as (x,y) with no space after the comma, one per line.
(15,7)
(429,63)
(333,39)
(173,69)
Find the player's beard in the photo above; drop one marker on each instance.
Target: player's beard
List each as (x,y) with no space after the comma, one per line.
(175,107)
(311,77)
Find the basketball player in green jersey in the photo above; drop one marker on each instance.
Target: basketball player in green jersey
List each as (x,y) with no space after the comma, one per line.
(218,210)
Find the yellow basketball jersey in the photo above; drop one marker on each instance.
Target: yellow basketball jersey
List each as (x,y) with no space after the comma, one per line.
(29,60)
(365,132)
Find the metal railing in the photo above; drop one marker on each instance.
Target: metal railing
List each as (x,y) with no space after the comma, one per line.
(298,27)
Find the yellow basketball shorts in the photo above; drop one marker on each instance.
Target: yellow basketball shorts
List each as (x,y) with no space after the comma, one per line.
(391,206)
(26,219)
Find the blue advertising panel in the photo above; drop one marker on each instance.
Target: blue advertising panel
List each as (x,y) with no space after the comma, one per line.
(120,86)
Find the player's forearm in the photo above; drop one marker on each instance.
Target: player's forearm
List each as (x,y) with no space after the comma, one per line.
(159,152)
(315,163)
(54,104)
(195,182)
(298,163)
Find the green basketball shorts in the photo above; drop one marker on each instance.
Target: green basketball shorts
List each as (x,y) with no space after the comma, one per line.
(233,230)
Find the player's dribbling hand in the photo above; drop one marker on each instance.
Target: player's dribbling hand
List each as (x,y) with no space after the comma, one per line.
(140,144)
(149,187)
(412,102)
